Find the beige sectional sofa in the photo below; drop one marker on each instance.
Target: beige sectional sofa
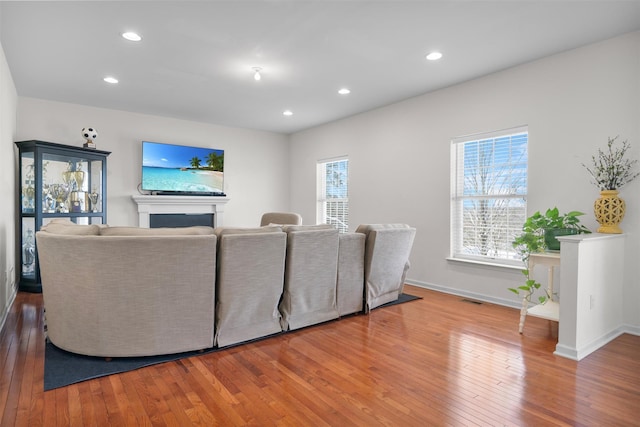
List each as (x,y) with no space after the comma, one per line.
(123,291)
(128,291)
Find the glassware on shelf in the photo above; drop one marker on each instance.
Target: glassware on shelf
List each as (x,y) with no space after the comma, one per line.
(28,253)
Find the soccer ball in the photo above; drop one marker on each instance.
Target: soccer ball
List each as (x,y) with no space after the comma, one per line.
(89,133)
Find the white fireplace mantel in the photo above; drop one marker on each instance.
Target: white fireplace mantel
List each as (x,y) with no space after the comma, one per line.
(149,205)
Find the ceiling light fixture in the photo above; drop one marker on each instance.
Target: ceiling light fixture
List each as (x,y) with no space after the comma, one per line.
(111,80)
(131,36)
(257,75)
(344,91)
(288,113)
(434,56)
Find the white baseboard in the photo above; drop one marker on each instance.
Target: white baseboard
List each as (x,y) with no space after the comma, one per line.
(580,353)
(466,294)
(5,310)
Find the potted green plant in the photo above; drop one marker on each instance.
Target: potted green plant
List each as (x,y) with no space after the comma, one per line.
(539,233)
(553,224)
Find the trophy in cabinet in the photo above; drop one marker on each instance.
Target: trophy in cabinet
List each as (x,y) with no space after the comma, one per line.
(77,198)
(60,193)
(48,200)
(28,198)
(93,198)
(68,178)
(28,191)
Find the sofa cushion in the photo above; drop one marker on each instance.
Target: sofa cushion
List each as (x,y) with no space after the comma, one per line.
(221,231)
(288,228)
(162,231)
(365,228)
(71,229)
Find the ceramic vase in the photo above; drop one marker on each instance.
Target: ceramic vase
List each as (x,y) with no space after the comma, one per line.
(609,210)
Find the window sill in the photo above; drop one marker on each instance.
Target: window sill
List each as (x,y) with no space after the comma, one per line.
(486,263)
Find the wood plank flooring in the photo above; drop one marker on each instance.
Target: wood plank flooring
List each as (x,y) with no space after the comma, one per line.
(438,361)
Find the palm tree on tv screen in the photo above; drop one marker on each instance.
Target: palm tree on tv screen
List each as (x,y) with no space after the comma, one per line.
(195,162)
(215,161)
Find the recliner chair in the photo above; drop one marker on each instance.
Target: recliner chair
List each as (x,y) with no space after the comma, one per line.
(311,270)
(249,283)
(281,218)
(387,250)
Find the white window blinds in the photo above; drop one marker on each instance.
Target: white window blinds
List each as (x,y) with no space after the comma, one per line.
(489,195)
(333,193)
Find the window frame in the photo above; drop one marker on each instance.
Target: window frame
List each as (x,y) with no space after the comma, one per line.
(458,196)
(321,193)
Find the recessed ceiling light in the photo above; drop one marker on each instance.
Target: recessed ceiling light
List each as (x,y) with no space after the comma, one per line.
(111,80)
(288,113)
(434,56)
(257,76)
(344,91)
(131,36)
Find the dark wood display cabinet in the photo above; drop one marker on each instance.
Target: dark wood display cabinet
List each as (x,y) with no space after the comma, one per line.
(56,181)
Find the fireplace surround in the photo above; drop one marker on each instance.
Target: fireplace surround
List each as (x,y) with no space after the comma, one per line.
(149,205)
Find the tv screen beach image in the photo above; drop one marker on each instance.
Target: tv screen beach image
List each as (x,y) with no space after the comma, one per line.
(177,168)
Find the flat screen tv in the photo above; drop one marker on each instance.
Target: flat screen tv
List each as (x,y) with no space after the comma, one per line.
(180,169)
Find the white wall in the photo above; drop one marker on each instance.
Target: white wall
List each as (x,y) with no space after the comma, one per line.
(256,175)
(8,101)
(400,156)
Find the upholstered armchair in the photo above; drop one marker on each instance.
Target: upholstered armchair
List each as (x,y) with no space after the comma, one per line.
(249,283)
(310,276)
(387,250)
(281,218)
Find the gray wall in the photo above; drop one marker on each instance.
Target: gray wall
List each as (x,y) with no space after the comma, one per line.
(400,156)
(8,100)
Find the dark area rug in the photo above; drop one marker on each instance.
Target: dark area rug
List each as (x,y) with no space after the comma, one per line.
(401,299)
(62,368)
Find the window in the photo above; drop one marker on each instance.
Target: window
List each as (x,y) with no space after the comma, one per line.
(333,193)
(489,195)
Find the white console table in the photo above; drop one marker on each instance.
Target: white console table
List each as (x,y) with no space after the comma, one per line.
(150,205)
(550,309)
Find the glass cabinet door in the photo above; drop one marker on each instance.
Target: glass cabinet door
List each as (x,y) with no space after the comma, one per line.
(94,186)
(28,182)
(71,185)
(28,249)
(56,181)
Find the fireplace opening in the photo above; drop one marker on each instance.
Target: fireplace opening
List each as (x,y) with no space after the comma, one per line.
(180,220)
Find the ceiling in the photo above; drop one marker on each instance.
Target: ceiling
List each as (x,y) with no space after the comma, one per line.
(195,60)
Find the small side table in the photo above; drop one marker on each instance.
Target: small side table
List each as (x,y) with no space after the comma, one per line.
(550,310)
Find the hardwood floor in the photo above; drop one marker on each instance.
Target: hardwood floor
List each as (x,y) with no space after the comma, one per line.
(437,361)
